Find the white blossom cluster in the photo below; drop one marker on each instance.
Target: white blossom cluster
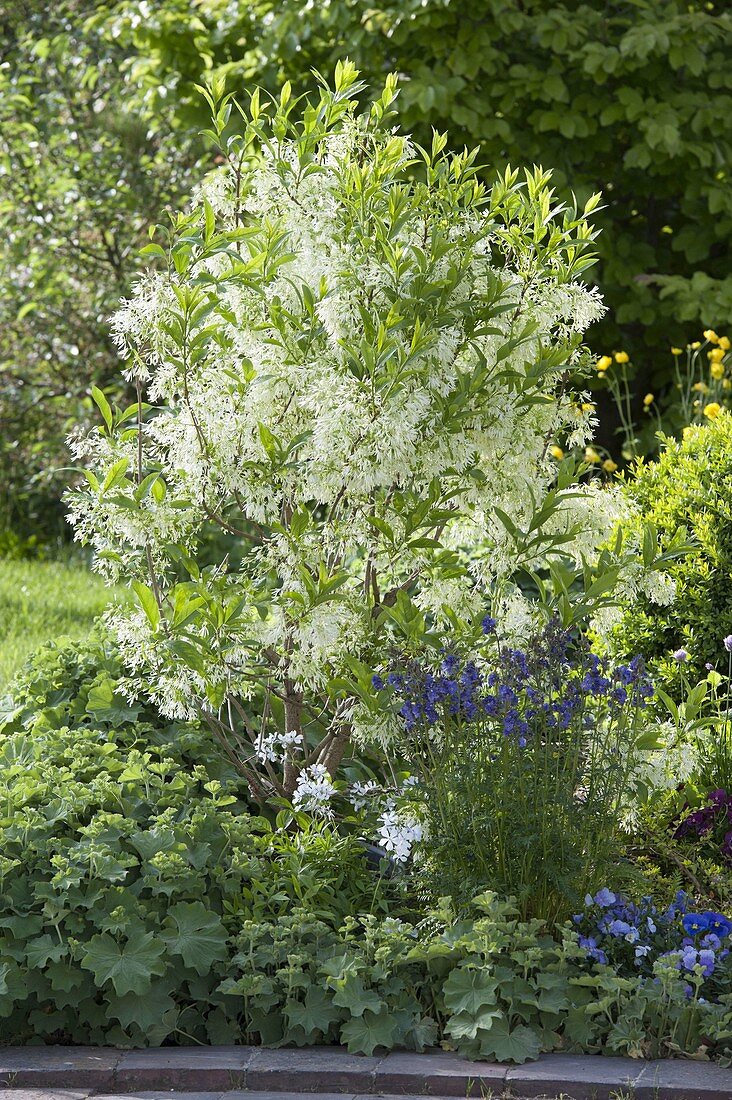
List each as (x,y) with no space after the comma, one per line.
(314,791)
(362,793)
(398,832)
(275,746)
(674,762)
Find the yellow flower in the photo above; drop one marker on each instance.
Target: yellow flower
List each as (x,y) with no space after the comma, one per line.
(712,410)
(649,399)
(710,335)
(695,345)
(724,343)
(676,351)
(700,387)
(591,455)
(621,357)
(716,355)
(603,363)
(587,407)
(556,452)
(717,370)
(609,466)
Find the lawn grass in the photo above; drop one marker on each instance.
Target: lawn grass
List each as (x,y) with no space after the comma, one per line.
(42,601)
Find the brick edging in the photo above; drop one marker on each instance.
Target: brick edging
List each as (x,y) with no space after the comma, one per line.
(333,1070)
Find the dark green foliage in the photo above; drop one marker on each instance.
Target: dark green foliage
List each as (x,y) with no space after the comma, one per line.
(629,99)
(695,863)
(690,485)
(491,986)
(83,176)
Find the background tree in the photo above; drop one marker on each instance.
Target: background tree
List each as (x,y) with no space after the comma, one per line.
(83,174)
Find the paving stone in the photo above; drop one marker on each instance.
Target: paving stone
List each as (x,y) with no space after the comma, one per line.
(71,1067)
(277,1094)
(437,1074)
(189,1069)
(248,1073)
(164,1094)
(319,1069)
(42,1094)
(678,1079)
(589,1077)
(245,1094)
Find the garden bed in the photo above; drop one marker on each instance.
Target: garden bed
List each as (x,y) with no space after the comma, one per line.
(385,594)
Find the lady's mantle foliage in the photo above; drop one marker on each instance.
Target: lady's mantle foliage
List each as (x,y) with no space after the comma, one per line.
(356,360)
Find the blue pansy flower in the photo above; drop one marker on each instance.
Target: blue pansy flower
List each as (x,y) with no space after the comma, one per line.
(693,923)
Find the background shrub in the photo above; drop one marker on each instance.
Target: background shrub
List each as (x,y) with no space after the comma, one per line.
(689,486)
(84,173)
(631,100)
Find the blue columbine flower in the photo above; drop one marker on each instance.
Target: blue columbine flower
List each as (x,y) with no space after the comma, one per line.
(450,665)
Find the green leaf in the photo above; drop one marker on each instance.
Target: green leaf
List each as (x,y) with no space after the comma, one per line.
(155,1010)
(465,1025)
(45,949)
(423,1032)
(129,967)
(469,991)
(506,1044)
(115,474)
(210,219)
(268,441)
(350,993)
(315,1013)
(579,1028)
(148,603)
(103,405)
(106,707)
(363,1034)
(196,934)
(551,993)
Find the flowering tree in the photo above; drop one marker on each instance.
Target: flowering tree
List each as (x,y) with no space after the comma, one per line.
(355,363)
